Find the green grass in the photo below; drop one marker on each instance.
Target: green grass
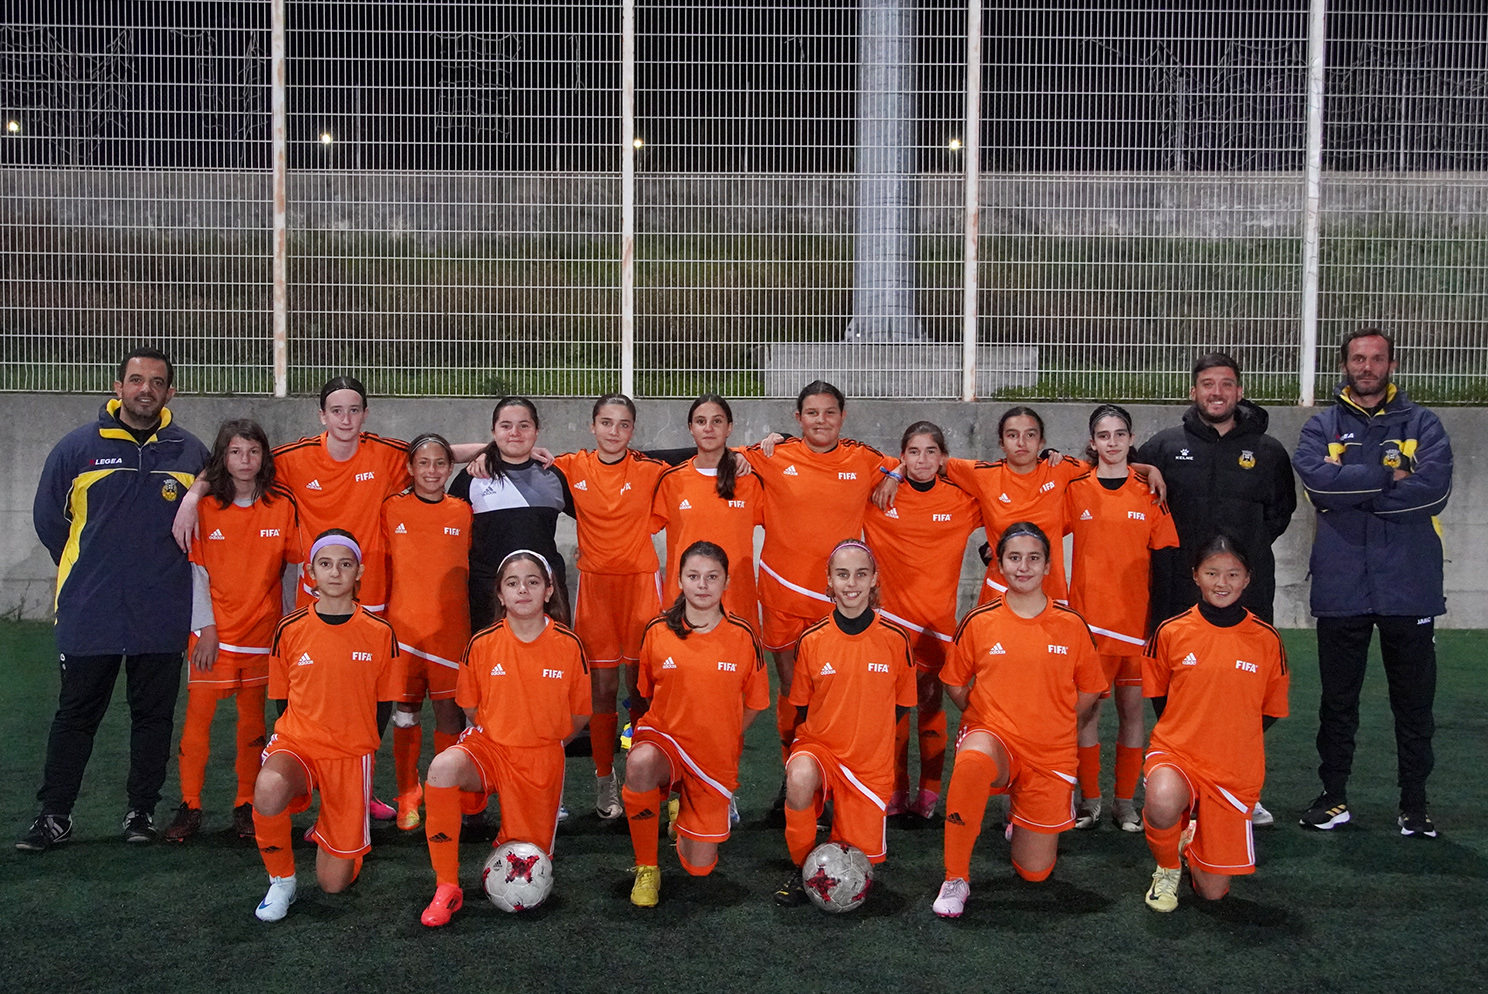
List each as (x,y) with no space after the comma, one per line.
(1357,910)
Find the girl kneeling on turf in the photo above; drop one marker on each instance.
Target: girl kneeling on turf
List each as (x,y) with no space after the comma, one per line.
(1217,677)
(703,681)
(1022,669)
(332,674)
(524,685)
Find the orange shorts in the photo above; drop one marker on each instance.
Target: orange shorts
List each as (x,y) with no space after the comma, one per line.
(231,672)
(704,811)
(783,631)
(929,649)
(611,611)
(424,673)
(528,782)
(345,787)
(1039,799)
(1121,671)
(858,813)
(1223,840)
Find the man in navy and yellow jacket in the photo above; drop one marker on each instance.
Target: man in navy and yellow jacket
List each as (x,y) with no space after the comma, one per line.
(1379,470)
(104,508)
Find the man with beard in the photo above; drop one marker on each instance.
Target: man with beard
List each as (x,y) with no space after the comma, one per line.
(104,507)
(1378,469)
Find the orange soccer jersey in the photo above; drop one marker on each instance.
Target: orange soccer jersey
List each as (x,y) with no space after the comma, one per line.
(524,694)
(919,543)
(850,685)
(699,688)
(1029,673)
(813,500)
(333,677)
(428,547)
(687,505)
(612,504)
(1006,497)
(1115,532)
(1218,682)
(346,495)
(244,551)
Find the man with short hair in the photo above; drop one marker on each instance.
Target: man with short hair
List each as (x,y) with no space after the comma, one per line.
(103,509)
(1378,468)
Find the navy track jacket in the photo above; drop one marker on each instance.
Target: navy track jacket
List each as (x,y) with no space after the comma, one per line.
(104,509)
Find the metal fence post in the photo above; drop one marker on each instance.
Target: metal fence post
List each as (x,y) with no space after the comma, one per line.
(972,144)
(281,203)
(627,201)
(1317,27)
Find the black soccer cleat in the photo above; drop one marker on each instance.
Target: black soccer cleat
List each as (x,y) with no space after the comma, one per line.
(46,831)
(791,894)
(1328,811)
(1416,824)
(138,826)
(186,823)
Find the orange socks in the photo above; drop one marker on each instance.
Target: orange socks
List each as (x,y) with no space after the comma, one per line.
(196,743)
(443,740)
(442,830)
(800,830)
(1128,771)
(1164,844)
(1088,771)
(901,754)
(643,812)
(408,743)
(274,836)
(1033,876)
(785,724)
(692,868)
(251,737)
(932,751)
(966,803)
(602,728)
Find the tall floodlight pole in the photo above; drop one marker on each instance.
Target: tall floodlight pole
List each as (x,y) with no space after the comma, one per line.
(280,127)
(1312,210)
(627,200)
(883,246)
(972,145)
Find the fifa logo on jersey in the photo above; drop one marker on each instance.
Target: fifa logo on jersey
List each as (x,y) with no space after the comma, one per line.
(684,506)
(847,476)
(1046,487)
(1247,459)
(1241,664)
(553,674)
(268,533)
(878,667)
(1059,650)
(362,657)
(452,531)
(727,667)
(940,517)
(733,503)
(1136,515)
(364,477)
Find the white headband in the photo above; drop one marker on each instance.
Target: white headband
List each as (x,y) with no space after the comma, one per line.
(526,552)
(344,540)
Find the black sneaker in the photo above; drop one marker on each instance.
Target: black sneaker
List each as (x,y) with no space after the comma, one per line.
(46,831)
(1327,813)
(775,818)
(243,821)
(791,894)
(138,826)
(1417,824)
(184,825)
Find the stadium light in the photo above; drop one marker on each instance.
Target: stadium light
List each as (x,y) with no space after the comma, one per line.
(13,127)
(637,143)
(326,138)
(954,145)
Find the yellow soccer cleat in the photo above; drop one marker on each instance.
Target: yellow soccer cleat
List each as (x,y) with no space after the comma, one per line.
(1163,894)
(647,889)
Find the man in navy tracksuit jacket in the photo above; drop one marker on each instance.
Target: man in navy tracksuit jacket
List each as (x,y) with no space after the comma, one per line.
(1378,469)
(104,508)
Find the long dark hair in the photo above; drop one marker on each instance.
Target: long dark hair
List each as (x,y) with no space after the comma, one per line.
(1096,417)
(494,465)
(1020,412)
(676,615)
(220,482)
(556,606)
(724,481)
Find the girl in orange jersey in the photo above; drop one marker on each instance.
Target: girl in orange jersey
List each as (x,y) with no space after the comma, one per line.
(251,538)
(333,675)
(854,680)
(1116,526)
(706,499)
(619,588)
(816,493)
(524,685)
(920,541)
(427,535)
(702,675)
(1217,677)
(1022,670)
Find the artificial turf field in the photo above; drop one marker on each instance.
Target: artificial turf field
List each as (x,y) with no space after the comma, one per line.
(1359,909)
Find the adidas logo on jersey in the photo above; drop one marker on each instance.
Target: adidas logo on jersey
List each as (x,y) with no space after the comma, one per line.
(582,485)
(1190,660)
(305,659)
(497,670)
(1004,498)
(997,650)
(827,670)
(626,487)
(313,485)
(790,470)
(684,506)
(217,536)
(1085,515)
(400,530)
(892,512)
(670,664)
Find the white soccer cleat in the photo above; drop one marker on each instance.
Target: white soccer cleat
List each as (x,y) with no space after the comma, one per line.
(276,902)
(1261,818)
(607,798)
(951,901)
(1087,815)
(1162,895)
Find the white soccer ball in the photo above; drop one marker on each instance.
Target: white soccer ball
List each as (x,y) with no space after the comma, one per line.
(837,877)
(518,876)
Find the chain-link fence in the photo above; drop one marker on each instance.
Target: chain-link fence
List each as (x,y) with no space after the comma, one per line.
(675,196)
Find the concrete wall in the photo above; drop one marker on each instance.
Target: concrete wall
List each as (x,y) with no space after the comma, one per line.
(37,421)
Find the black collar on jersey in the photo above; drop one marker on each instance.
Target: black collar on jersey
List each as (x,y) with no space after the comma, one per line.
(334,619)
(1222,617)
(852,626)
(924,487)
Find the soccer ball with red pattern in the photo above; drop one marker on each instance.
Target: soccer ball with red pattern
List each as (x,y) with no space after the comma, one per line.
(837,877)
(518,876)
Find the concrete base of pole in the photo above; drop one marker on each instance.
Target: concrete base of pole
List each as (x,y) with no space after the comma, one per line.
(873,369)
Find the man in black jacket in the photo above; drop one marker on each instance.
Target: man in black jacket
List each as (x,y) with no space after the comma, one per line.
(1224,473)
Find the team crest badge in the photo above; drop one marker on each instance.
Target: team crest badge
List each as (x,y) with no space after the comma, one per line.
(170,490)
(1392,459)
(1247,459)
